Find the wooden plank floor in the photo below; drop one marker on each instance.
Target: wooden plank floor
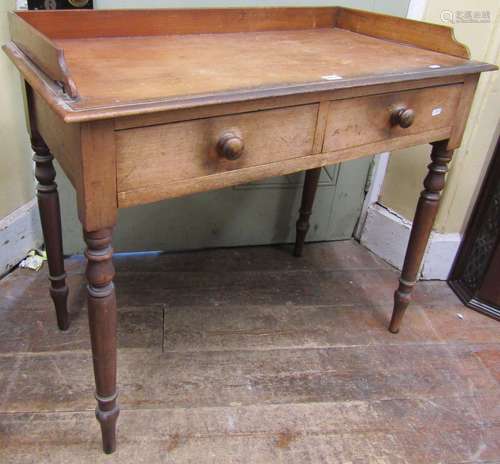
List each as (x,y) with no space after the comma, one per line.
(252,356)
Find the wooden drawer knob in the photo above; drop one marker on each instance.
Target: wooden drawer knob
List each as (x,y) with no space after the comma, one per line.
(230,146)
(402,117)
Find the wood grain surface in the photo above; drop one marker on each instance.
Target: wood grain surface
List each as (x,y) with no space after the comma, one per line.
(187,150)
(463,111)
(250,364)
(163,117)
(42,51)
(203,64)
(97,202)
(66,24)
(437,37)
(366,120)
(161,190)
(186,58)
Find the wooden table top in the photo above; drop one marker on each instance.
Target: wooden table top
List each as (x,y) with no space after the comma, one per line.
(181,66)
(122,62)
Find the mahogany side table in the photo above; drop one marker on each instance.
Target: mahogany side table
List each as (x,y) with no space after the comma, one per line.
(143,105)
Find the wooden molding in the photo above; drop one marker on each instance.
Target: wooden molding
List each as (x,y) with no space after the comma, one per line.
(37,79)
(61,24)
(433,37)
(42,51)
(114,23)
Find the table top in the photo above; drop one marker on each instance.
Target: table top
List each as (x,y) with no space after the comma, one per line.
(201,57)
(183,66)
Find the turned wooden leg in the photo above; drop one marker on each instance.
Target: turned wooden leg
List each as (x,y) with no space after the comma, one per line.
(102,323)
(308,194)
(50,216)
(422,226)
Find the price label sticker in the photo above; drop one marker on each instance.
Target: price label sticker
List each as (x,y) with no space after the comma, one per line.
(437,111)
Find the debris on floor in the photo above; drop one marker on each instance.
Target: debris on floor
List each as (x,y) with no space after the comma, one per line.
(34,260)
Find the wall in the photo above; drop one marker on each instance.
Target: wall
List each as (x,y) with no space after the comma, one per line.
(16,178)
(470,160)
(19,221)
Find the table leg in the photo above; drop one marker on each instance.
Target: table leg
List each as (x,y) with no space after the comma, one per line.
(102,323)
(308,194)
(50,217)
(422,226)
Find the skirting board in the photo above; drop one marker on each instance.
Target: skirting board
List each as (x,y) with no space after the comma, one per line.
(20,232)
(386,234)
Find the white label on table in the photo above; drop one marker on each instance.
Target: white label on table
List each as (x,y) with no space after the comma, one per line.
(434,66)
(437,111)
(332,77)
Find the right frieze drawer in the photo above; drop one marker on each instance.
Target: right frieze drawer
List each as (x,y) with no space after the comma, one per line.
(359,121)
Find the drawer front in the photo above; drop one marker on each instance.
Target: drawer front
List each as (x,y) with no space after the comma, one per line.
(359,121)
(192,149)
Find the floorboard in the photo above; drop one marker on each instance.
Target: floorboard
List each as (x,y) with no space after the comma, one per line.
(252,356)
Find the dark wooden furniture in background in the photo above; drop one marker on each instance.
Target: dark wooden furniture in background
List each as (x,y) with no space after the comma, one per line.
(475,277)
(232,96)
(59,4)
